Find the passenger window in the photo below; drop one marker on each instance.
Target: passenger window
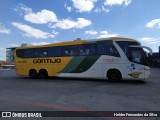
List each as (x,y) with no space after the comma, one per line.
(101,49)
(88,49)
(113,51)
(70,50)
(29,53)
(54,51)
(20,53)
(41,52)
(107,48)
(123,45)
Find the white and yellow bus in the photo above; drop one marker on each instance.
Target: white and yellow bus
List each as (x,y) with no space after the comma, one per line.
(113,58)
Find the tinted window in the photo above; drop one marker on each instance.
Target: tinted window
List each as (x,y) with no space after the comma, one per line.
(136,56)
(40,52)
(20,53)
(32,53)
(70,51)
(54,51)
(29,53)
(101,49)
(107,48)
(88,49)
(125,44)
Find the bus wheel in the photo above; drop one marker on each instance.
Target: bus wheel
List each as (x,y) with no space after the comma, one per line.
(114,75)
(33,73)
(43,74)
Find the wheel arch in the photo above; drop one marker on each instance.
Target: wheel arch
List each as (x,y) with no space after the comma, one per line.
(33,73)
(31,70)
(114,69)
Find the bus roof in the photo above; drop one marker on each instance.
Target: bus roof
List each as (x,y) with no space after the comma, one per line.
(114,39)
(79,41)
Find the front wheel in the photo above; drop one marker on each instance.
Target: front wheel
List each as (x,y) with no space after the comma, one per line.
(114,75)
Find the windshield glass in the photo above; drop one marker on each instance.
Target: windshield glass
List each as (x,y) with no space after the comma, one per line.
(136,55)
(125,44)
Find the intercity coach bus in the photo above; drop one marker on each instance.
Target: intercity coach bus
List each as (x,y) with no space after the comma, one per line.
(112,58)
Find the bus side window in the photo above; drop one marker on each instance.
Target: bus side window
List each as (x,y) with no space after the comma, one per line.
(29,53)
(41,52)
(54,51)
(70,50)
(93,49)
(107,48)
(20,53)
(88,49)
(66,51)
(101,49)
(113,51)
(81,50)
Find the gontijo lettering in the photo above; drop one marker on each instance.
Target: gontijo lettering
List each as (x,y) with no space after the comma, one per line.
(56,60)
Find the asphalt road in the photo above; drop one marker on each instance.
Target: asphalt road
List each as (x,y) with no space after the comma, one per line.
(63,94)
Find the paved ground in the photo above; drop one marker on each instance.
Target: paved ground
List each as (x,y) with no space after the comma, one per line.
(61,94)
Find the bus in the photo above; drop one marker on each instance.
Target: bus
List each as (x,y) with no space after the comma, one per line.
(112,58)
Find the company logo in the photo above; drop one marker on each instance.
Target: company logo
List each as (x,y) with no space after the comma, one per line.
(135,74)
(21,114)
(56,60)
(6,114)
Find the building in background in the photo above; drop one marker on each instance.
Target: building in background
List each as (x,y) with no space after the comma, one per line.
(10,54)
(154,59)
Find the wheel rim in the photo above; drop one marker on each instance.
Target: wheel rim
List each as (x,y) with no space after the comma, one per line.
(114,76)
(33,74)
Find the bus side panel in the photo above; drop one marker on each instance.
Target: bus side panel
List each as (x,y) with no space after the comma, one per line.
(95,71)
(21,66)
(110,62)
(135,71)
(84,67)
(59,68)
(20,70)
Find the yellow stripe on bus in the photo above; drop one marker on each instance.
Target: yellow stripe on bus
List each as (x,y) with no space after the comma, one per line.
(52,67)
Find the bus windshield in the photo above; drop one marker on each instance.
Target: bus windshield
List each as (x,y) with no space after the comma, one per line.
(134,54)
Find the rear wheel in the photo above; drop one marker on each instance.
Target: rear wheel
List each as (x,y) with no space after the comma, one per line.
(43,74)
(33,73)
(114,75)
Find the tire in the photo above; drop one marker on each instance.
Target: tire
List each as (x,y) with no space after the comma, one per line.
(43,74)
(114,75)
(33,73)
